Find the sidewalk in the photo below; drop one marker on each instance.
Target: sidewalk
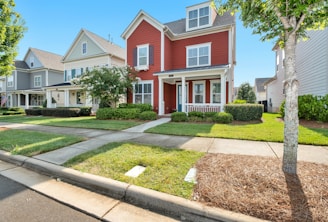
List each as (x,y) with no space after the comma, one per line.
(49,163)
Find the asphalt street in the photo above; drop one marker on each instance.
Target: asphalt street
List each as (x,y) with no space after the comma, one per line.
(20,204)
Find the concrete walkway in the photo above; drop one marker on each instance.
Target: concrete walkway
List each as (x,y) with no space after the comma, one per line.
(49,164)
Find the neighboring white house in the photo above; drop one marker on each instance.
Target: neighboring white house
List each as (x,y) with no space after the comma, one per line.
(311,69)
(87,51)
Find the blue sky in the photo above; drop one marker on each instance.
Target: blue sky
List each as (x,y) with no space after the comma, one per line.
(53,25)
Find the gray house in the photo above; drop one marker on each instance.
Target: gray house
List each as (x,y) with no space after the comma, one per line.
(23,88)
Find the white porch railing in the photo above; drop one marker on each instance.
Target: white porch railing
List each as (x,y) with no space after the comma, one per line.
(208,107)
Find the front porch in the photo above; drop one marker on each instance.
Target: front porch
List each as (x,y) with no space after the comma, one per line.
(203,89)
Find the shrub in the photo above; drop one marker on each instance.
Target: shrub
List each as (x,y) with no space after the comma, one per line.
(245,112)
(310,107)
(33,112)
(44,104)
(148,115)
(14,111)
(222,117)
(85,111)
(179,117)
(209,114)
(142,107)
(61,112)
(196,114)
(239,101)
(114,113)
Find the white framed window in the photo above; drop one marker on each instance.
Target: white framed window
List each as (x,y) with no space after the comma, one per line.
(198,55)
(143,57)
(198,92)
(143,92)
(215,91)
(10,81)
(84,48)
(37,81)
(198,17)
(1,86)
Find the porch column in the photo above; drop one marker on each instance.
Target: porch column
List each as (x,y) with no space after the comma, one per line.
(66,98)
(49,99)
(27,105)
(161,104)
(183,94)
(223,91)
(18,100)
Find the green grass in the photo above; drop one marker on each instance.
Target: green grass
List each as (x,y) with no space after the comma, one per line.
(30,143)
(269,130)
(165,168)
(78,122)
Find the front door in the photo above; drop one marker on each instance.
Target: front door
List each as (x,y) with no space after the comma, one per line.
(179,96)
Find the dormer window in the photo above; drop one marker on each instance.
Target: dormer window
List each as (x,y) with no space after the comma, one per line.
(84,48)
(198,17)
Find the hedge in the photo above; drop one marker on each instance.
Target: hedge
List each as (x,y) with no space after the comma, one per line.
(222,117)
(142,107)
(14,111)
(179,117)
(61,112)
(245,112)
(114,113)
(148,115)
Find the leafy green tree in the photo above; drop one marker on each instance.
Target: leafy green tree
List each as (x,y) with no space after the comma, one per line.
(246,92)
(11,31)
(285,22)
(107,84)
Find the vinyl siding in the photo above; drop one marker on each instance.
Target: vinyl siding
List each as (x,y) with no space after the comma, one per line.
(312,63)
(36,63)
(92,49)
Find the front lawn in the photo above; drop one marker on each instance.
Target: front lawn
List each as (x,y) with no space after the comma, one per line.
(165,168)
(30,143)
(270,129)
(78,122)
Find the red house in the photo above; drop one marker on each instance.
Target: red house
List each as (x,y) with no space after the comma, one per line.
(184,65)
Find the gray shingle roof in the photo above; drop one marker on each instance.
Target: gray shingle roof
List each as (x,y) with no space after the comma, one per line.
(179,26)
(106,45)
(48,59)
(21,64)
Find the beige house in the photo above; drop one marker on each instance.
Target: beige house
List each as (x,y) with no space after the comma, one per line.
(87,51)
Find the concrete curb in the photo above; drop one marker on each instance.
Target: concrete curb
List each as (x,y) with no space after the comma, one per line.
(170,205)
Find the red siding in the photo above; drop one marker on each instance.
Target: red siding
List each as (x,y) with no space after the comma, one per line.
(219,49)
(168,54)
(147,34)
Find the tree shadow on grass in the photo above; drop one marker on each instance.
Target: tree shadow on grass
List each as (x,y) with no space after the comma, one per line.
(298,200)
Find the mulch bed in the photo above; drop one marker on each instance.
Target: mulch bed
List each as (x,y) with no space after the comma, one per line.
(3,128)
(256,186)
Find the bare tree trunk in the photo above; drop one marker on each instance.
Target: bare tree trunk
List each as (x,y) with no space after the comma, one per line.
(291,108)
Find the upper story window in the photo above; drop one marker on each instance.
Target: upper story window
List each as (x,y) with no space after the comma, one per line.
(1,85)
(37,81)
(199,55)
(198,17)
(10,81)
(143,56)
(84,48)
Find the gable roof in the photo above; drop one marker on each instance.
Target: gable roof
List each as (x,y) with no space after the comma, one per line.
(47,59)
(179,27)
(21,64)
(106,46)
(259,84)
(141,16)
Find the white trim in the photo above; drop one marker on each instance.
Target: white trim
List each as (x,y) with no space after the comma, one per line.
(162,51)
(211,90)
(38,76)
(12,80)
(146,66)
(86,48)
(193,91)
(198,7)
(152,90)
(198,46)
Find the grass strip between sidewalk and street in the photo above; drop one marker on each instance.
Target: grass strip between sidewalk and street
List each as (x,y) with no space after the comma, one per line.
(30,143)
(165,168)
(89,122)
(270,129)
